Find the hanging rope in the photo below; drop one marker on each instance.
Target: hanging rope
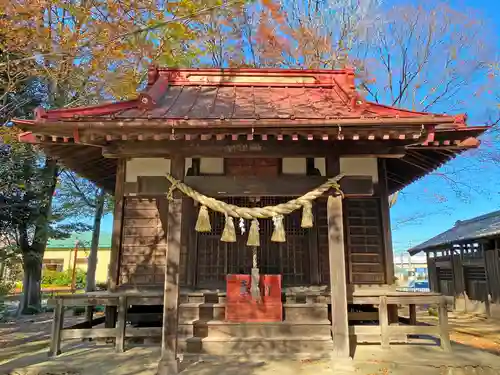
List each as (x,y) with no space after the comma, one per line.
(250,213)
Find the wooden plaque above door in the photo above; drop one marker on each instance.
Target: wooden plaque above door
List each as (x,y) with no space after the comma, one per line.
(262,167)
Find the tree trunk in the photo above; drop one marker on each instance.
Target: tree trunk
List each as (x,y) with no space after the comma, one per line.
(33,255)
(32,293)
(2,271)
(96,230)
(94,248)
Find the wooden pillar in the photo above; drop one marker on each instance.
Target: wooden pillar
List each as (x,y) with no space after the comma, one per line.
(386,222)
(383,193)
(432,271)
(314,249)
(338,289)
(168,363)
(116,238)
(492,261)
(57,326)
(192,236)
(188,240)
(458,281)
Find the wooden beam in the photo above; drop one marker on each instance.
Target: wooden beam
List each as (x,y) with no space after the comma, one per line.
(227,186)
(168,363)
(270,148)
(116,238)
(340,326)
(88,333)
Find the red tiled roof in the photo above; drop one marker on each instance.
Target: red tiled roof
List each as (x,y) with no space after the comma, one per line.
(279,104)
(246,94)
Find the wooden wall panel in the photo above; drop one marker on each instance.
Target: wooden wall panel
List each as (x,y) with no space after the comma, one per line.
(364,240)
(445,280)
(142,257)
(363,237)
(475,283)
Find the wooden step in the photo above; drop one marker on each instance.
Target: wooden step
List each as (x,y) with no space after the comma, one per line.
(223,329)
(255,345)
(201,311)
(202,297)
(298,312)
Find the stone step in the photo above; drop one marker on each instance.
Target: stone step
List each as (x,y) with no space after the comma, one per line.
(255,345)
(223,329)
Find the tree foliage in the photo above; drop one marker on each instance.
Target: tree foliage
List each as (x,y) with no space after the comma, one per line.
(77,197)
(87,50)
(427,58)
(72,53)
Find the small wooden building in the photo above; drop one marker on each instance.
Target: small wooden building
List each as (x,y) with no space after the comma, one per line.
(254,138)
(464,264)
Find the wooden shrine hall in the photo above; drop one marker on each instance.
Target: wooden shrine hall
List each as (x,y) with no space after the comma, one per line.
(251,210)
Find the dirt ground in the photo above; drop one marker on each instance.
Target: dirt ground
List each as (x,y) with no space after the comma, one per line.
(472,330)
(476,350)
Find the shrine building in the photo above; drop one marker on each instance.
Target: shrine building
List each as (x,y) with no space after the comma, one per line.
(251,210)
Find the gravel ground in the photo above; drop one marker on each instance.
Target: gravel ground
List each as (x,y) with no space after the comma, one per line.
(476,350)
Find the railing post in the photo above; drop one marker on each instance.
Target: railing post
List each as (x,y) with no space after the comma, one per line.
(57,326)
(383,317)
(443,325)
(413,314)
(121,324)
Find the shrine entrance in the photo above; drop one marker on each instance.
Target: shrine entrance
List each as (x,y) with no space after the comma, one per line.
(216,259)
(290,259)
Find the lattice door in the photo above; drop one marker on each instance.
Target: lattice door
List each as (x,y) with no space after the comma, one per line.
(216,259)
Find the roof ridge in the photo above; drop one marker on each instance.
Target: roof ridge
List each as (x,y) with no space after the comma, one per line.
(256,70)
(478,218)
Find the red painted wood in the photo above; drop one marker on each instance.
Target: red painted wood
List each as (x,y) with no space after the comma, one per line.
(241,307)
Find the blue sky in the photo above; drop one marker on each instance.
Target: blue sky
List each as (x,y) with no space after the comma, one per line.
(467,186)
(431,205)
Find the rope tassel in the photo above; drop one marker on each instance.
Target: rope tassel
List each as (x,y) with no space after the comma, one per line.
(253,234)
(279,230)
(307,215)
(229,232)
(203,222)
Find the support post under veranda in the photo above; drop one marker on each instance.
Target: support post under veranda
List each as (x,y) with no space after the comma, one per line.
(338,281)
(168,363)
